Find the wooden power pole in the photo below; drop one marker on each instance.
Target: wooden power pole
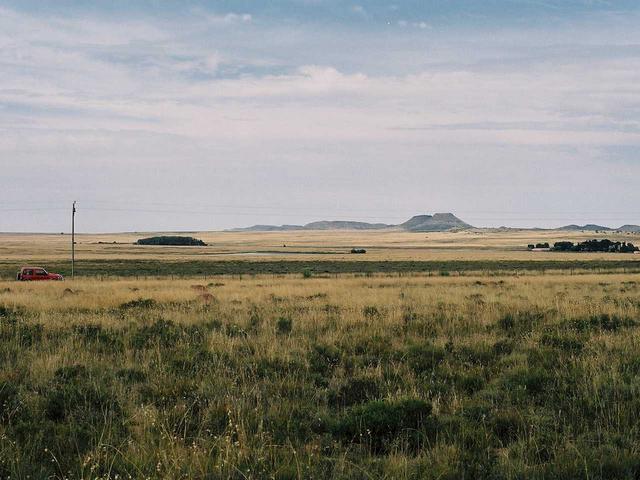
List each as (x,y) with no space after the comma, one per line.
(73,240)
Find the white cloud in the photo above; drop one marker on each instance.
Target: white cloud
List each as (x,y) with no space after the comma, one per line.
(229,18)
(421,24)
(137,93)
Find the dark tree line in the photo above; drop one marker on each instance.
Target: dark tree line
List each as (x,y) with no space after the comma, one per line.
(595,246)
(174,241)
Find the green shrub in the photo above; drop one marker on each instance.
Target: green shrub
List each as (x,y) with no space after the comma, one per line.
(277,367)
(471,382)
(6,312)
(79,412)
(566,343)
(29,334)
(142,303)
(292,424)
(323,359)
(477,409)
(604,321)
(191,360)
(353,391)
(20,333)
(9,400)
(131,375)
(211,325)
(165,394)
(531,381)
(284,325)
(477,354)
(520,323)
(603,461)
(97,337)
(507,426)
(379,423)
(503,347)
(424,358)
(161,332)
(369,350)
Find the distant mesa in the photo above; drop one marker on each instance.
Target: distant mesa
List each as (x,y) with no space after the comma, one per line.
(438,222)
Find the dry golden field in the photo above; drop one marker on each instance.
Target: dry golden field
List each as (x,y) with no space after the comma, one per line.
(353,377)
(403,373)
(487,245)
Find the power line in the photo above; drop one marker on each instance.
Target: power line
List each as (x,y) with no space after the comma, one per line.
(277,209)
(199,208)
(45,209)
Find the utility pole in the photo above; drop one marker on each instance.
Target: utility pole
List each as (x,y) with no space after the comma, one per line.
(73,240)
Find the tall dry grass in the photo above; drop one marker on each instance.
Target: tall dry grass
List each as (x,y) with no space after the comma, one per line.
(349,377)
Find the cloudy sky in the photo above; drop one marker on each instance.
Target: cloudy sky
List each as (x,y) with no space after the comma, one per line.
(196,115)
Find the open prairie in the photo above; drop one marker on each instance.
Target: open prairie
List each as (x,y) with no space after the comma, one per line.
(322,251)
(309,245)
(281,355)
(353,377)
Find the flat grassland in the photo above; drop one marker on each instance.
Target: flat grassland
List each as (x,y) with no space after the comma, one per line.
(281,355)
(353,377)
(316,251)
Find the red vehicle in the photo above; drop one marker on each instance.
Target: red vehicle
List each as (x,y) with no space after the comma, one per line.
(27,274)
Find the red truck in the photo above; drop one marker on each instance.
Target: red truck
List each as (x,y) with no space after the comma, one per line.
(27,274)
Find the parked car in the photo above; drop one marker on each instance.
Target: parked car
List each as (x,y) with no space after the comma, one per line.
(27,274)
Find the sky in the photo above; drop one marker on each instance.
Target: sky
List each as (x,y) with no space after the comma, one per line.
(207,115)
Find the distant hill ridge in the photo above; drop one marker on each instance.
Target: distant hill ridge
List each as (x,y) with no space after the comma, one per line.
(438,222)
(590,227)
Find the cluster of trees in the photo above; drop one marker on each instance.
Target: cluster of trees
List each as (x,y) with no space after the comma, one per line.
(175,241)
(590,246)
(596,246)
(539,245)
